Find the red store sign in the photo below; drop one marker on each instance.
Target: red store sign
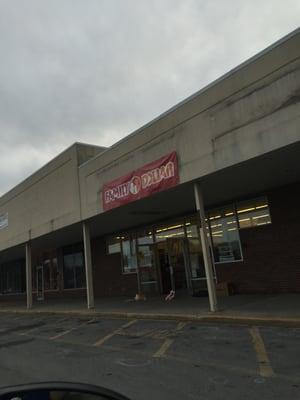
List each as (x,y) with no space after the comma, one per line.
(151,178)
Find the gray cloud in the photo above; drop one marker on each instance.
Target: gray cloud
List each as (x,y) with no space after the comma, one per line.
(94,70)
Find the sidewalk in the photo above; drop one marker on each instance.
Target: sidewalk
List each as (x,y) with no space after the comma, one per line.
(250,309)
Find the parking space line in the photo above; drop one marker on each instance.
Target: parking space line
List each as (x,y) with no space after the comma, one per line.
(163,348)
(28,332)
(25,333)
(59,335)
(115,332)
(265,368)
(180,326)
(168,342)
(16,318)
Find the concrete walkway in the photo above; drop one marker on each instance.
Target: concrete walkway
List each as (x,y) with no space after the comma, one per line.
(251,309)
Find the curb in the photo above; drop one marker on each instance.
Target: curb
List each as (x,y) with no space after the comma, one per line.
(206,318)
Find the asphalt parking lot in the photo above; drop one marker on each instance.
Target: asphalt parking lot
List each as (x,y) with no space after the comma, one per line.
(146,359)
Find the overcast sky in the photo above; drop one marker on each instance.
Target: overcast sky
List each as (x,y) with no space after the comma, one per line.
(95,70)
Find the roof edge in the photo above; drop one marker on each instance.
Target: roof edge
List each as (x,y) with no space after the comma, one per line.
(205,88)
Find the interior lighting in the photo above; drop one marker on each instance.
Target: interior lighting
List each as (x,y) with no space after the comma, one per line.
(169,228)
(246,210)
(215,217)
(261,216)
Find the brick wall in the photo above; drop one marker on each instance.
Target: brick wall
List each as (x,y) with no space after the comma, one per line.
(107,272)
(272,252)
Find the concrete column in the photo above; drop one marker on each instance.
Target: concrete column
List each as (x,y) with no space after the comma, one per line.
(88,265)
(28,275)
(208,262)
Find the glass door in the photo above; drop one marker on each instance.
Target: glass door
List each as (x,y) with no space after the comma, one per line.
(178,264)
(146,259)
(197,274)
(147,268)
(165,272)
(40,282)
(173,265)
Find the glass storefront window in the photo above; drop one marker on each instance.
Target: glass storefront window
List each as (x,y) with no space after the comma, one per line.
(49,264)
(145,236)
(12,277)
(114,244)
(54,275)
(46,274)
(145,256)
(144,246)
(225,235)
(253,213)
(195,245)
(196,259)
(129,254)
(172,230)
(191,226)
(74,272)
(196,262)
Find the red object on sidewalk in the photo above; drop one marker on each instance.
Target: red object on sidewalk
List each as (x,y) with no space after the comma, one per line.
(154,177)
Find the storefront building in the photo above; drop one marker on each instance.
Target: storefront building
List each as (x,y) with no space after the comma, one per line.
(204,196)
(150,251)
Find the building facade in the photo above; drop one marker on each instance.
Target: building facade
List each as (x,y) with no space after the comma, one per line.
(126,219)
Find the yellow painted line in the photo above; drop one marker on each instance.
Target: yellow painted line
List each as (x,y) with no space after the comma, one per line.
(180,326)
(239,370)
(217,365)
(168,342)
(110,335)
(163,348)
(265,368)
(59,335)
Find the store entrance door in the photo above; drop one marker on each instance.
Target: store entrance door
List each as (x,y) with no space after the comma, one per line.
(40,282)
(172,255)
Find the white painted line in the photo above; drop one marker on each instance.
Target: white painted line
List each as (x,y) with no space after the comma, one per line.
(163,348)
(115,332)
(168,342)
(59,335)
(41,326)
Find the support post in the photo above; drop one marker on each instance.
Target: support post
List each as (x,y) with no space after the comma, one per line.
(28,275)
(88,265)
(208,263)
